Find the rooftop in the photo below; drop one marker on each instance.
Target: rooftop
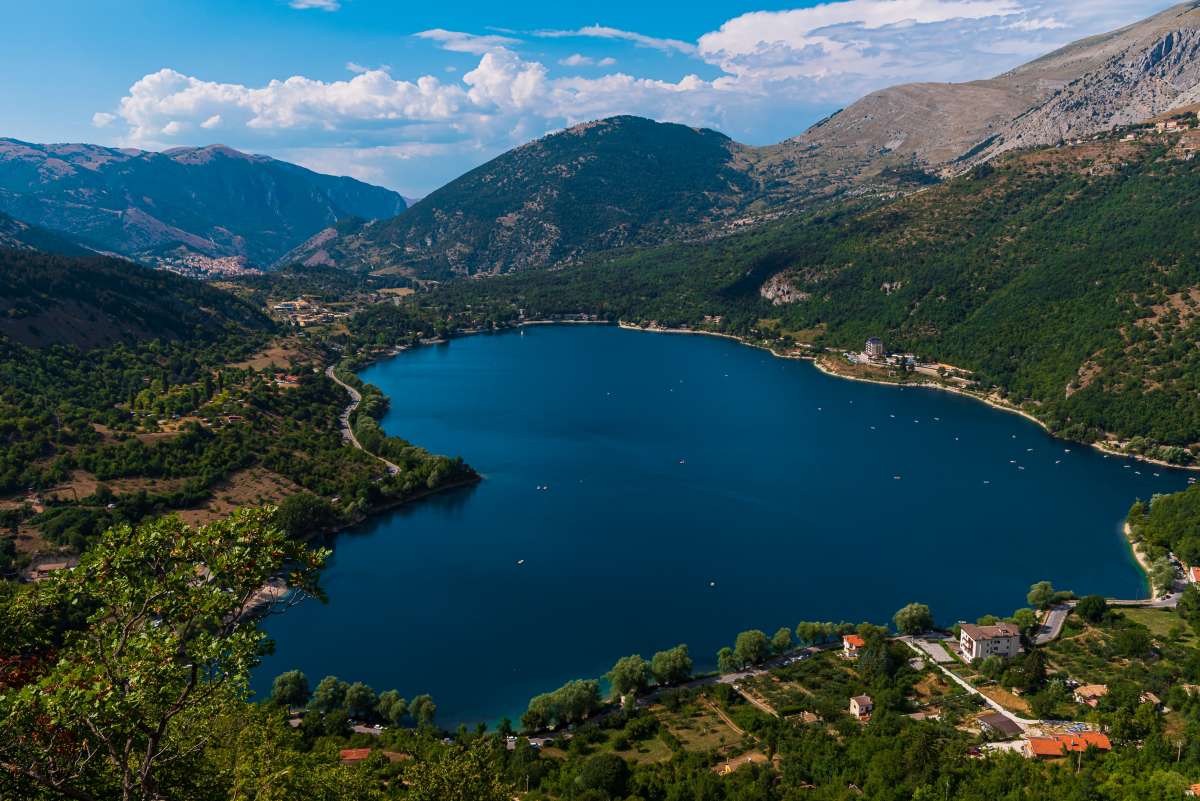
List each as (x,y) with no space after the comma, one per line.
(1060,743)
(853,639)
(978,633)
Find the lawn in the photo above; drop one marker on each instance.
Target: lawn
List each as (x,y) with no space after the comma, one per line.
(1164,624)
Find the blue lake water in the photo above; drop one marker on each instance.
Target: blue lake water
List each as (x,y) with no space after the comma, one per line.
(674,462)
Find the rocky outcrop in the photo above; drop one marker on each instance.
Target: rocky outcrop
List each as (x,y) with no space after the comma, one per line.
(1143,81)
(779,290)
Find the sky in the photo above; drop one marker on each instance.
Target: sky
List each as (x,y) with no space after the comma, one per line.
(411,95)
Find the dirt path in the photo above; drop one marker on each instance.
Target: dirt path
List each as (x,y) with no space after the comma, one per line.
(344,419)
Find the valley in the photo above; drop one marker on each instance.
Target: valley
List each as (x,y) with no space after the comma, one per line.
(913,389)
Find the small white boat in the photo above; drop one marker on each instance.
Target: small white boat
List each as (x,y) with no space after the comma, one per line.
(521,561)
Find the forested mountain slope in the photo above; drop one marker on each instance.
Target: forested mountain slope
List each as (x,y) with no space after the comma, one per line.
(17,235)
(606,184)
(1066,277)
(209,202)
(91,302)
(627,181)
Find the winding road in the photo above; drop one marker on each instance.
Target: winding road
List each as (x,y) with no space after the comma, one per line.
(344,419)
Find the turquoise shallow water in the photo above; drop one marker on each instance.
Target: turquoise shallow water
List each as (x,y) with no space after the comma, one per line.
(674,462)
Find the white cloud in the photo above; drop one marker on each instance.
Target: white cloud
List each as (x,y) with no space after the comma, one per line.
(580,60)
(605,32)
(460,42)
(766,75)
(323,5)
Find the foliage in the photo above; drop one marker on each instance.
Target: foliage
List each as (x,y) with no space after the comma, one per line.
(127,657)
(572,702)
(913,619)
(630,675)
(671,666)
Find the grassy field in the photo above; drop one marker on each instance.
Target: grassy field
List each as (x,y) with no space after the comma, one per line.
(1164,624)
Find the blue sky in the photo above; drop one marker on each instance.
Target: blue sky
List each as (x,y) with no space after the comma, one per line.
(410,95)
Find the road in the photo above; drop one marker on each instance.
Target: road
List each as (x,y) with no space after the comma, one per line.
(344,419)
(1052,624)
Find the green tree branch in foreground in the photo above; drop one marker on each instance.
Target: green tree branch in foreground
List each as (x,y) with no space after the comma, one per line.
(119,666)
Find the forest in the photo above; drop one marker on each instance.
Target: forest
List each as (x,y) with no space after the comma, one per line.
(1064,279)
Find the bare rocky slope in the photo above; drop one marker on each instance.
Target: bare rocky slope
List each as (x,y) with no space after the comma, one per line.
(193,204)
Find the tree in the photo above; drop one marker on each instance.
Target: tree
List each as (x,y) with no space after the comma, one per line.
(1043,594)
(290,689)
(304,513)
(726,661)
(423,709)
(459,774)
(1162,575)
(1092,608)
(751,647)
(329,696)
(607,773)
(131,656)
(629,675)
(360,700)
(781,643)
(391,707)
(671,666)
(913,619)
(1027,621)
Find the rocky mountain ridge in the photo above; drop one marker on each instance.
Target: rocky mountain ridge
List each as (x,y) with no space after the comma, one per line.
(197,203)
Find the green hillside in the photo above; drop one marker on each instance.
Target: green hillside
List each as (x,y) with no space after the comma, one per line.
(90,302)
(1067,278)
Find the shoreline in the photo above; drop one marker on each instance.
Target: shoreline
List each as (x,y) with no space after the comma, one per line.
(1001,406)
(1142,560)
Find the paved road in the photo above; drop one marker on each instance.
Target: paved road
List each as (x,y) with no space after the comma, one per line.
(344,419)
(1052,624)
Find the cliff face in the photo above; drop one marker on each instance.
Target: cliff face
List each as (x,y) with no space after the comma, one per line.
(1143,81)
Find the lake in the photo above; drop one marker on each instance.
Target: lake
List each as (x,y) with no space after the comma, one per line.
(692,487)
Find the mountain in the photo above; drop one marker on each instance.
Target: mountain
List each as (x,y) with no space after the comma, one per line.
(48,299)
(208,207)
(627,181)
(16,235)
(1085,88)
(602,185)
(1065,279)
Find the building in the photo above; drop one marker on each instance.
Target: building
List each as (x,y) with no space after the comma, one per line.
(1194,575)
(874,349)
(995,723)
(852,644)
(1063,744)
(1090,694)
(861,706)
(978,642)
(349,756)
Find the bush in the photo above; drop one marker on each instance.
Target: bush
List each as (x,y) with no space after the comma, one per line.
(1092,608)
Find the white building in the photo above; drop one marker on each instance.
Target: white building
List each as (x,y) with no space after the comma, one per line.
(874,349)
(978,642)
